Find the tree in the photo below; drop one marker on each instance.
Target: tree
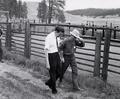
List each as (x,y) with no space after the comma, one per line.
(39,11)
(54,7)
(15,8)
(10,5)
(24,10)
(19,9)
(61,17)
(42,11)
(51,9)
(1,4)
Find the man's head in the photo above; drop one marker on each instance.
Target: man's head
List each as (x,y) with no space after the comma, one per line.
(59,30)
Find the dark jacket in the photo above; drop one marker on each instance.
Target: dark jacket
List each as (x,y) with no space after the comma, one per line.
(68,46)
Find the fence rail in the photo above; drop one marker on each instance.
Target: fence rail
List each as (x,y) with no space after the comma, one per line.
(99,51)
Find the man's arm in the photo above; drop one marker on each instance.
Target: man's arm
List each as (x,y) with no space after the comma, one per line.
(61,48)
(46,48)
(46,52)
(61,56)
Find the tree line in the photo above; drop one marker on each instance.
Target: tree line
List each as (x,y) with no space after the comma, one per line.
(95,12)
(17,9)
(49,10)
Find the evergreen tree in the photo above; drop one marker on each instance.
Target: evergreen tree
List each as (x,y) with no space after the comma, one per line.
(10,5)
(15,8)
(1,4)
(61,17)
(19,9)
(55,6)
(39,14)
(24,10)
(42,11)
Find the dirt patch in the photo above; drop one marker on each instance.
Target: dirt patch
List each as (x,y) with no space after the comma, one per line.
(16,83)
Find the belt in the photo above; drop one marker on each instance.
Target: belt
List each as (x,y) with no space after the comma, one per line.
(68,54)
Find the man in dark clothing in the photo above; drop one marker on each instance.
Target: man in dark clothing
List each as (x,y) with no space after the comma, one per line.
(68,46)
(1,51)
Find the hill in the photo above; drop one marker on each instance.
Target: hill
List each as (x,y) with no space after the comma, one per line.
(95,12)
(77,19)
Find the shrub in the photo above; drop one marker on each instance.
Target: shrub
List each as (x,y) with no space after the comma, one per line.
(8,55)
(95,83)
(20,60)
(26,63)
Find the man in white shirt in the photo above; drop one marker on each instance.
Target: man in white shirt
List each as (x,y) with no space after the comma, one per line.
(51,47)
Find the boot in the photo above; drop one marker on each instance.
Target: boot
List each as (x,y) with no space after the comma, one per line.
(75,84)
(48,84)
(54,91)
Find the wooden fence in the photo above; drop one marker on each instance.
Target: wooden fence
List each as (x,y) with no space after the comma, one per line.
(100,55)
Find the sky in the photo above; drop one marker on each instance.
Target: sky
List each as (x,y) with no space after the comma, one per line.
(82,4)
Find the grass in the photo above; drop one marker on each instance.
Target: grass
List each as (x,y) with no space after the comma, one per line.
(23,62)
(94,86)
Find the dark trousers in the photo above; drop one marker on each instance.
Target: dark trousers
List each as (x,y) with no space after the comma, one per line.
(55,69)
(70,61)
(1,51)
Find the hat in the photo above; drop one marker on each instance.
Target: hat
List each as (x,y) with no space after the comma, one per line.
(75,33)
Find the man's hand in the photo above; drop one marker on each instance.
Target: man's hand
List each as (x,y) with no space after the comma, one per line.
(80,42)
(61,56)
(62,59)
(1,37)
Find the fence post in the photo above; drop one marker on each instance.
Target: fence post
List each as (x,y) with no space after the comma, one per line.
(69,27)
(92,30)
(103,32)
(106,55)
(111,26)
(8,38)
(114,33)
(97,55)
(83,33)
(20,29)
(27,44)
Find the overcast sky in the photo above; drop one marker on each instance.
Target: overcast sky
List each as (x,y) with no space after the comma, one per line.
(81,4)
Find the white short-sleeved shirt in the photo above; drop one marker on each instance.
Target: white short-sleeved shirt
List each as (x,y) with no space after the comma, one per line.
(50,43)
